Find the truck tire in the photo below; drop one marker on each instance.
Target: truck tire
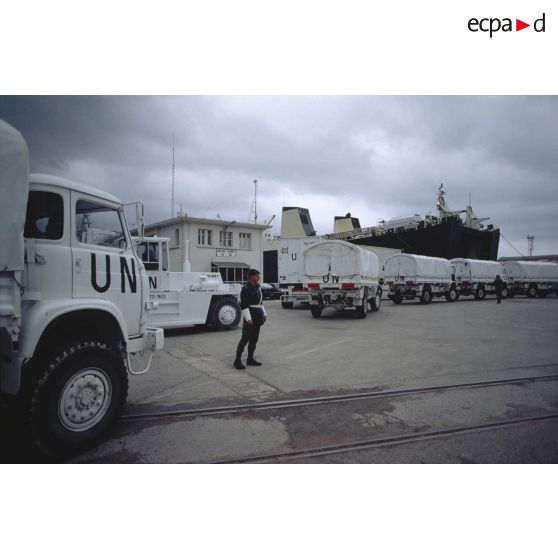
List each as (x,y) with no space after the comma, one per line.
(287,305)
(226,314)
(504,292)
(426,296)
(532,291)
(480,294)
(316,311)
(376,302)
(451,295)
(77,397)
(362,310)
(397,298)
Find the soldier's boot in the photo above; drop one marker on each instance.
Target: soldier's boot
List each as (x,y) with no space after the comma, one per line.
(251,361)
(238,363)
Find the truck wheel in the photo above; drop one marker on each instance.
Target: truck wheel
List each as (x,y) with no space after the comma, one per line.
(426,297)
(376,302)
(451,295)
(77,397)
(532,292)
(480,294)
(316,311)
(362,310)
(287,305)
(504,292)
(397,298)
(226,315)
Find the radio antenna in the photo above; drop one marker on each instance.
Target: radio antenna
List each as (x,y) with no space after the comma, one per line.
(172,179)
(254,209)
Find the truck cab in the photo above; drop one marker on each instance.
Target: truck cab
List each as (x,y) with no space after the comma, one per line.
(75,301)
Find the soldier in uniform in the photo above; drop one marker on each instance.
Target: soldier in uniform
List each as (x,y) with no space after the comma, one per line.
(498,284)
(254,317)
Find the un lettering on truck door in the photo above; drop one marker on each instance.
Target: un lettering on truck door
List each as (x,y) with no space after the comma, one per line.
(126,277)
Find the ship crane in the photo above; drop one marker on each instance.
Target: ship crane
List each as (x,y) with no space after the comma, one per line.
(472,221)
(443,210)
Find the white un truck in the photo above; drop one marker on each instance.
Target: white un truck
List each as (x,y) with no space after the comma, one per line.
(531,278)
(186,298)
(341,275)
(476,277)
(74,299)
(409,276)
(290,265)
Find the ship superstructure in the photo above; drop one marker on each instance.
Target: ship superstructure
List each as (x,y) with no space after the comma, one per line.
(449,234)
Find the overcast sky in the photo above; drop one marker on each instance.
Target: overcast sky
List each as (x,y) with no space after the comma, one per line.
(376,157)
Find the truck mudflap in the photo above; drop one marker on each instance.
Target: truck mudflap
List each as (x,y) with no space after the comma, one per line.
(153,340)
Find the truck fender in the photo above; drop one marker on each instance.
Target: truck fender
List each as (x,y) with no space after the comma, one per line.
(42,314)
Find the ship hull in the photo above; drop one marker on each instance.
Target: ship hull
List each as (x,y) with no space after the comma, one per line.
(448,239)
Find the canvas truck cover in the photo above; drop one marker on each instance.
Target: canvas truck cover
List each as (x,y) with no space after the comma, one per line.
(531,271)
(290,257)
(340,259)
(14,188)
(477,271)
(417,268)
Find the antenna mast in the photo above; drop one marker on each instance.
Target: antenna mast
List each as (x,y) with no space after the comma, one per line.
(254,209)
(172,192)
(530,244)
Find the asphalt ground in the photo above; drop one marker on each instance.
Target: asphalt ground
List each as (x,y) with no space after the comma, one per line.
(405,346)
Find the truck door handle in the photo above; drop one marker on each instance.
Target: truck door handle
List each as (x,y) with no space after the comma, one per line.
(78,264)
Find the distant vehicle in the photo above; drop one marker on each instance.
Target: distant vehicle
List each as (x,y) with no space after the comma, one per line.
(272,291)
(476,277)
(409,276)
(186,298)
(531,278)
(341,275)
(291,269)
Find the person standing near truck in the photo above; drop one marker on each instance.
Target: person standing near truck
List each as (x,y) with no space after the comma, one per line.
(254,317)
(498,287)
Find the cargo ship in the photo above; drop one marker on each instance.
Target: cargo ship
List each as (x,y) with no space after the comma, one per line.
(449,234)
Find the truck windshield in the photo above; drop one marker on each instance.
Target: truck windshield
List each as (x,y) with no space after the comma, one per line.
(99,225)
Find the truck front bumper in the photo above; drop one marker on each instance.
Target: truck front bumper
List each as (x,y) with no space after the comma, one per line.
(153,340)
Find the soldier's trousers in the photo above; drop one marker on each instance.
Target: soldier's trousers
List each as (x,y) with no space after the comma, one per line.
(250,336)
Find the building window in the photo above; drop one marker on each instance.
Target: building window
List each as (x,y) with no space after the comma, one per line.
(231,274)
(225,239)
(204,237)
(245,240)
(177,237)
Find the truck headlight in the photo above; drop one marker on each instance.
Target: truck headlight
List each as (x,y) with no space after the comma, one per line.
(152,305)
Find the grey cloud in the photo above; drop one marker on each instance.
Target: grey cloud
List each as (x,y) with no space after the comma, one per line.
(379,156)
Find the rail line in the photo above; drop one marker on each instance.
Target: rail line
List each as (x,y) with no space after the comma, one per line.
(303,402)
(386,441)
